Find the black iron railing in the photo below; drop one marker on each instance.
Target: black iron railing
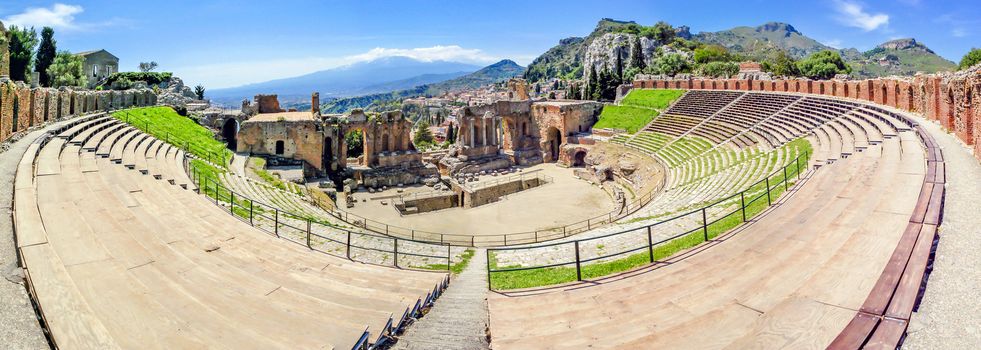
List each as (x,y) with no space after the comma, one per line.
(699,228)
(323,236)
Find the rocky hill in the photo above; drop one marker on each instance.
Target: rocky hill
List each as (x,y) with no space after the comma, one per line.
(600,48)
(759,42)
(565,60)
(497,72)
(900,57)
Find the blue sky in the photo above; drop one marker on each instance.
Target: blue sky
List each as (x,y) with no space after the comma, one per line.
(228,43)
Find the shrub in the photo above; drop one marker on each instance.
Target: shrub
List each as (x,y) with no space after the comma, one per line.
(970,59)
(823,65)
(151,78)
(719,69)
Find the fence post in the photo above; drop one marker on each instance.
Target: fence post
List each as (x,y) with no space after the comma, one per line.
(578,267)
(349,245)
(250,213)
(705,225)
(216,193)
(650,244)
(448,269)
(276,224)
(308,234)
(588,225)
(797,163)
(742,203)
(488,270)
(786,182)
(768,200)
(396,252)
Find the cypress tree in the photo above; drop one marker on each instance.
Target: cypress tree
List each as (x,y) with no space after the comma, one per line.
(45,55)
(637,55)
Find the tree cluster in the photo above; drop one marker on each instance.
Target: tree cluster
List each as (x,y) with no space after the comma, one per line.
(970,59)
(30,54)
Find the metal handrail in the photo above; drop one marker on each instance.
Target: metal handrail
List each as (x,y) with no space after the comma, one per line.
(235,200)
(742,196)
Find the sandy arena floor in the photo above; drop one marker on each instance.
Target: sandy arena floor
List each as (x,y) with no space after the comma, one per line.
(566,200)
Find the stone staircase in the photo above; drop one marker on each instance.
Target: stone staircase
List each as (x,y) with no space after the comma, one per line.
(459,319)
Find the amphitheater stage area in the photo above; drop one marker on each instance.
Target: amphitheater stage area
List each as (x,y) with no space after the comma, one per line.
(563,201)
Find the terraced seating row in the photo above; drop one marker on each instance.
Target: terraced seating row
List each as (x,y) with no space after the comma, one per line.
(272,196)
(789,279)
(118,259)
(702,103)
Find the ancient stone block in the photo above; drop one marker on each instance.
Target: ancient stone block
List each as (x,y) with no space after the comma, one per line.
(117,100)
(8,97)
(25,114)
(64,103)
(38,109)
(78,103)
(51,101)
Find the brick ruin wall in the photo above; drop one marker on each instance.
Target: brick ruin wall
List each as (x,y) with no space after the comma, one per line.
(952,99)
(23,107)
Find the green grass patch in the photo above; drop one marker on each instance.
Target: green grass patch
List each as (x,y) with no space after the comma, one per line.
(646,98)
(626,118)
(164,123)
(456,268)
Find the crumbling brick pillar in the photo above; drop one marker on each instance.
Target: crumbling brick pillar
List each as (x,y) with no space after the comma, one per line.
(64,103)
(8,93)
(51,98)
(37,106)
(25,114)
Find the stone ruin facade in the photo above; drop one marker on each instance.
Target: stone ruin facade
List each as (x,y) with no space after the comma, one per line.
(527,132)
(318,142)
(952,99)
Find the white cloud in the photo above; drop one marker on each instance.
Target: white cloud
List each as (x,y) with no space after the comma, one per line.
(853,15)
(230,74)
(835,43)
(428,54)
(958,32)
(58,16)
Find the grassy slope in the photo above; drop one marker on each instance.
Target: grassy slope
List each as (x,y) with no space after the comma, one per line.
(635,110)
(165,124)
(756,202)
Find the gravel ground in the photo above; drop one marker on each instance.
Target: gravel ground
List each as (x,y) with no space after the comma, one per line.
(19,327)
(949,316)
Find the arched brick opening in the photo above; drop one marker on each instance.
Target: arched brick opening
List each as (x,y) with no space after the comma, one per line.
(950,110)
(969,116)
(553,138)
(579,159)
(229,131)
(280,147)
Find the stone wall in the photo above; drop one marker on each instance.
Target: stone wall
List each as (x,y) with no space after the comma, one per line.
(952,99)
(23,107)
(492,193)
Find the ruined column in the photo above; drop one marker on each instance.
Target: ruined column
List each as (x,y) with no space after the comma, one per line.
(37,106)
(315,103)
(471,126)
(24,107)
(7,97)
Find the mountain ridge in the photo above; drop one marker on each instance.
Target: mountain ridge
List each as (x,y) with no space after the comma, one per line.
(378,75)
(757,43)
(490,74)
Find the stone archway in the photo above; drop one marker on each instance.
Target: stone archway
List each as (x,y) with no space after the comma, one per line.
(229,131)
(280,147)
(328,154)
(579,159)
(553,142)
